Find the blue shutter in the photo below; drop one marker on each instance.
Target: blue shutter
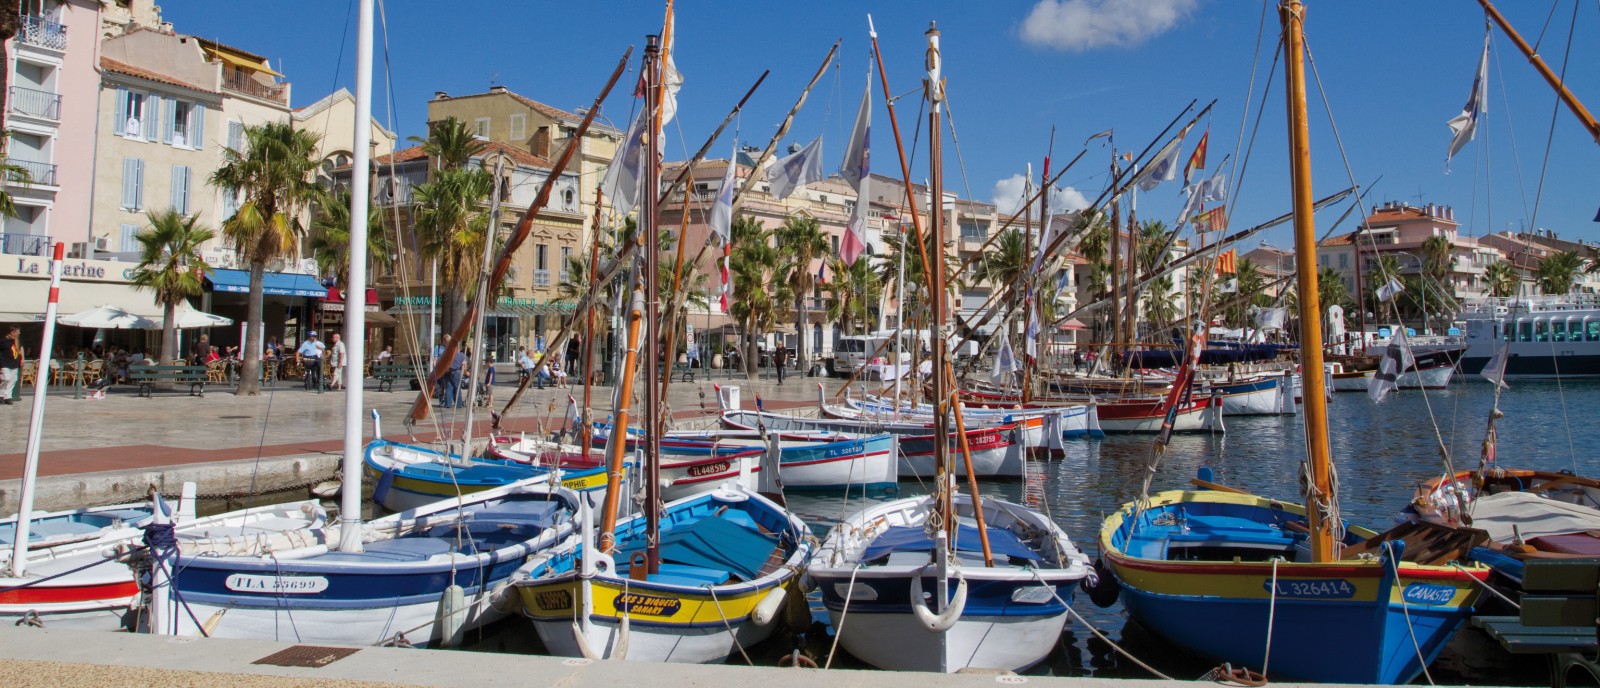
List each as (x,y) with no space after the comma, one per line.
(119,117)
(152,117)
(197,126)
(236,136)
(130,183)
(180,189)
(230,202)
(138,184)
(169,122)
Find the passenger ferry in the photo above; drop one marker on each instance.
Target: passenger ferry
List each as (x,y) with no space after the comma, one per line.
(1548,336)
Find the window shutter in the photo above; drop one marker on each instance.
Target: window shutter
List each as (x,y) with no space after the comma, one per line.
(138,184)
(180,189)
(197,126)
(236,136)
(130,182)
(119,117)
(230,202)
(169,128)
(152,116)
(129,239)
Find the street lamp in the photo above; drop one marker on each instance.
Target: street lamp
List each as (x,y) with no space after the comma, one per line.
(1422,279)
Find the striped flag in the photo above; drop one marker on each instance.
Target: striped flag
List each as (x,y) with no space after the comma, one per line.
(1197,159)
(1228,262)
(1213,220)
(857,172)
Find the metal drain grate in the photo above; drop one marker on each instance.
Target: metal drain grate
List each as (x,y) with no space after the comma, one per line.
(307,656)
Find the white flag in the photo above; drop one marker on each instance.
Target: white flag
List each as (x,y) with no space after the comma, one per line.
(1005,363)
(1229,287)
(621,183)
(574,417)
(1464,126)
(1495,370)
(1163,167)
(671,78)
(857,171)
(1396,360)
(1389,290)
(1044,243)
(722,210)
(1213,189)
(794,171)
(1271,318)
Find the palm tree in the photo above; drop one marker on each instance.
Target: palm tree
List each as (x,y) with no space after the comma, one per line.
(1558,271)
(330,238)
(916,283)
(753,266)
(1502,279)
(450,144)
(1005,267)
(801,240)
(452,223)
(171,265)
(1384,268)
(852,293)
(1331,289)
(275,172)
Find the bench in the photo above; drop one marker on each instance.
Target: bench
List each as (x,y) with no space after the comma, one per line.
(683,372)
(387,373)
(148,376)
(1557,619)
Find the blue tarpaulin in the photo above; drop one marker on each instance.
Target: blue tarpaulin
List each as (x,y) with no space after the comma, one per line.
(712,543)
(1002,543)
(273,283)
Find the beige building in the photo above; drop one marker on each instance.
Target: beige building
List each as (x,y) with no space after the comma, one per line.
(502,116)
(333,120)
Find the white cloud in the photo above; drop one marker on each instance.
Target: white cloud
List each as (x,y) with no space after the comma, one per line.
(1080,25)
(1008,197)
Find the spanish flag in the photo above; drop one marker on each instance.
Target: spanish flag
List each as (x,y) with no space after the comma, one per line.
(1197,159)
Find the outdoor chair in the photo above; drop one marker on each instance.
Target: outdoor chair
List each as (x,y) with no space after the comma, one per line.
(30,372)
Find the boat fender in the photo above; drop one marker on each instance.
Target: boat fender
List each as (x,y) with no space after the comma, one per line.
(452,615)
(1101,586)
(583,643)
(620,650)
(209,629)
(504,599)
(767,609)
(938,623)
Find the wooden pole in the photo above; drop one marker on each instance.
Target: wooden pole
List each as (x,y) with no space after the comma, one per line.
(588,327)
(1292,14)
(1577,108)
(648,223)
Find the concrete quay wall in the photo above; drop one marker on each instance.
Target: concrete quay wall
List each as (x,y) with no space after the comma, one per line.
(71,491)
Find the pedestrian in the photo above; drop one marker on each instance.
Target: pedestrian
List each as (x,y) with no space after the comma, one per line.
(387,355)
(438,353)
(525,366)
(486,393)
(574,352)
(544,374)
(559,373)
(10,363)
(201,348)
(779,357)
(452,381)
(309,355)
(336,359)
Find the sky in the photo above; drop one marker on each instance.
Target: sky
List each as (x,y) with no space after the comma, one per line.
(1393,74)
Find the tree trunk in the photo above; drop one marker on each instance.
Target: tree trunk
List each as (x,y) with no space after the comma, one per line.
(801,330)
(752,355)
(250,349)
(169,335)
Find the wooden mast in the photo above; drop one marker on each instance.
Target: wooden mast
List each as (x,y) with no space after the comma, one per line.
(1567,97)
(588,325)
(1319,496)
(1115,236)
(652,286)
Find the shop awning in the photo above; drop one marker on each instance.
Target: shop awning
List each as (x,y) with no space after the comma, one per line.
(273,283)
(243,62)
(334,300)
(25,299)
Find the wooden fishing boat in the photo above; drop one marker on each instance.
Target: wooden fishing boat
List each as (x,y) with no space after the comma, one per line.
(821,461)
(1120,417)
(997,451)
(409,477)
(1527,514)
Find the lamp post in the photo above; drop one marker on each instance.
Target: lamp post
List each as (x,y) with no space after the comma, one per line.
(1422,280)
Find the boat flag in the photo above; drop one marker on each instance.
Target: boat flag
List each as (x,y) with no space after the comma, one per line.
(1465,125)
(1005,363)
(1100,135)
(671,78)
(1213,220)
(722,209)
(574,417)
(1495,370)
(1228,262)
(621,183)
(1390,289)
(796,170)
(857,171)
(1164,166)
(1229,287)
(1396,360)
(1271,318)
(1197,159)
(1597,216)
(727,286)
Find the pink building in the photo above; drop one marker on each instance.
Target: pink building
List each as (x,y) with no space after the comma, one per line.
(52,90)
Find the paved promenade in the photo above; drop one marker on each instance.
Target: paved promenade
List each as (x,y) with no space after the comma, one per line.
(125,432)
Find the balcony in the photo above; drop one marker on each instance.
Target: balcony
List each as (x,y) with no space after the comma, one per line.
(43,33)
(24,244)
(34,103)
(39,173)
(243,82)
(541,278)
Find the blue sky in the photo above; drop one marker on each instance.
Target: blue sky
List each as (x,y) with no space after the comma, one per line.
(1394,73)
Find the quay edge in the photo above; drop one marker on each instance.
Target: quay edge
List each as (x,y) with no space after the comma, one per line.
(73,490)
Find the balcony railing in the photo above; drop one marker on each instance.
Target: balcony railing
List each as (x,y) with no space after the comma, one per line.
(38,172)
(541,278)
(24,244)
(242,82)
(43,33)
(35,103)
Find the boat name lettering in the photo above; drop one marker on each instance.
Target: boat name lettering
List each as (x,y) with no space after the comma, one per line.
(1321,588)
(634,603)
(708,469)
(847,450)
(288,585)
(1428,593)
(553,600)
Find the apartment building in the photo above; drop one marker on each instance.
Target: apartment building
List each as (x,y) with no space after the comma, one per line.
(1399,229)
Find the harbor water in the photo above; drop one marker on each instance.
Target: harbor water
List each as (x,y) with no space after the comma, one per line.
(1381,451)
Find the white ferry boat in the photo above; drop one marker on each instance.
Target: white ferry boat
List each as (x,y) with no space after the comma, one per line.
(1547,336)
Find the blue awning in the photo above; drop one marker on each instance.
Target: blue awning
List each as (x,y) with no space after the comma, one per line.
(273,283)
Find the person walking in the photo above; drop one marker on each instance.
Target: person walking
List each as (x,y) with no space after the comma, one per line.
(780,360)
(10,363)
(486,392)
(309,355)
(452,381)
(201,348)
(336,360)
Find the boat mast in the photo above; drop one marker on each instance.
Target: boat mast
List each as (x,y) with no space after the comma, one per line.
(30,466)
(933,85)
(1318,496)
(651,183)
(355,292)
(475,365)
(587,431)
(1567,97)
(1116,264)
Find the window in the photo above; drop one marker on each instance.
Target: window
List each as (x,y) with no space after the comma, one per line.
(1558,330)
(973,231)
(1593,326)
(133,118)
(566,253)
(129,239)
(1541,332)
(1344,261)
(180,189)
(176,131)
(519,127)
(481,128)
(230,202)
(132,184)
(1524,331)
(835,240)
(539,257)
(236,135)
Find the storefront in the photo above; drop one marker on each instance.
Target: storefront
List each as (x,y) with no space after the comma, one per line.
(329,317)
(85,284)
(287,310)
